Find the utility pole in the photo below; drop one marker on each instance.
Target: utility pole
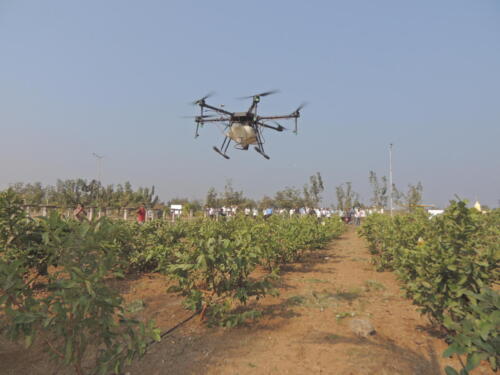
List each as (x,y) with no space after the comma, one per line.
(390,177)
(99,165)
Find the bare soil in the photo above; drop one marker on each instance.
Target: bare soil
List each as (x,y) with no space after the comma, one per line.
(305,330)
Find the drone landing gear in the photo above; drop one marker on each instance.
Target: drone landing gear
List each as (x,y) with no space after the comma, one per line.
(220,152)
(224,147)
(261,152)
(260,145)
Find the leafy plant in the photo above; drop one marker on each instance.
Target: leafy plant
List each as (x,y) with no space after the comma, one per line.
(477,335)
(78,316)
(447,265)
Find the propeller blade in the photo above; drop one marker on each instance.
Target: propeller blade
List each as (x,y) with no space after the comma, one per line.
(209,95)
(266,93)
(299,108)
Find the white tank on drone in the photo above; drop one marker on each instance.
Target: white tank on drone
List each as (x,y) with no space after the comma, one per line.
(242,134)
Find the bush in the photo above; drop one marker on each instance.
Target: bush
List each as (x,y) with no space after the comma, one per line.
(79,316)
(446,264)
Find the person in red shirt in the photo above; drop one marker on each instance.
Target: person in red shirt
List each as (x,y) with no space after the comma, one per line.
(79,212)
(141,214)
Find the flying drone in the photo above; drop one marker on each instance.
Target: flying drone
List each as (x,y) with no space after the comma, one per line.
(243,128)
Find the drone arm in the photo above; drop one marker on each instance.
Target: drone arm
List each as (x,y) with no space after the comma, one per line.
(218,119)
(277,128)
(284,117)
(219,110)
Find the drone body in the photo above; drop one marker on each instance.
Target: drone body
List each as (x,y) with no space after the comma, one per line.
(242,128)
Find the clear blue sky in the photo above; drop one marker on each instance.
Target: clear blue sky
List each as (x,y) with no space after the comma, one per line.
(114,77)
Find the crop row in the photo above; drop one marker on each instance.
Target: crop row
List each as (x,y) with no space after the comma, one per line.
(448,266)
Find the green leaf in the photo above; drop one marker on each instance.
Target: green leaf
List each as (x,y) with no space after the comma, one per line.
(450,371)
(156,333)
(473,361)
(452,349)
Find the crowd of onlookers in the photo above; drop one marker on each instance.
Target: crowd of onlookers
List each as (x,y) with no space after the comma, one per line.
(353,215)
(350,216)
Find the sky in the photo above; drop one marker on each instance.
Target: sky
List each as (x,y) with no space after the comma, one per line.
(116,77)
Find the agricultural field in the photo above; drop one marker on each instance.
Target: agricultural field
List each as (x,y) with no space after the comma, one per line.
(248,296)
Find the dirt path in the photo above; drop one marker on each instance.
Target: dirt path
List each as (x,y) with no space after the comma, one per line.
(306,330)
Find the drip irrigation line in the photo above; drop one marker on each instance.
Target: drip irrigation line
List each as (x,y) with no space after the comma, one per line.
(174,328)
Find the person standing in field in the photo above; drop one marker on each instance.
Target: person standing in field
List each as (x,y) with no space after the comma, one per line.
(141,214)
(255,212)
(357,217)
(79,212)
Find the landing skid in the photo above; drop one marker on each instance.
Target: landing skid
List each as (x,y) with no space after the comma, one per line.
(219,152)
(262,153)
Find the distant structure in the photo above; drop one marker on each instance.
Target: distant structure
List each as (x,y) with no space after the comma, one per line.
(477,206)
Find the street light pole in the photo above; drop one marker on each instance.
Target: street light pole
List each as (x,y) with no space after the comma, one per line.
(390,177)
(99,165)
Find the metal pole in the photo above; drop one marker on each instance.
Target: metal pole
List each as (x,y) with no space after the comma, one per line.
(99,165)
(390,177)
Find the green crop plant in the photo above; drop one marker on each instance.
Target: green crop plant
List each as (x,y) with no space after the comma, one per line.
(445,264)
(78,318)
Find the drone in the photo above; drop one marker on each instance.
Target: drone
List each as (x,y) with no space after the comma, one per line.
(243,128)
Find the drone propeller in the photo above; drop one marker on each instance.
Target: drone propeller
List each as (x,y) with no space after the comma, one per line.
(299,108)
(202,100)
(296,114)
(266,93)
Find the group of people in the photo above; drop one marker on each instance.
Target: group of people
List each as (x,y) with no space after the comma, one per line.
(355,215)
(269,211)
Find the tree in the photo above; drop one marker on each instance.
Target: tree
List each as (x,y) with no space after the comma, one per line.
(288,198)
(232,197)
(398,197)
(313,190)
(414,195)
(379,189)
(346,197)
(211,199)
(266,202)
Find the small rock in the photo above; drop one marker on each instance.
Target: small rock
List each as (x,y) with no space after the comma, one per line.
(362,327)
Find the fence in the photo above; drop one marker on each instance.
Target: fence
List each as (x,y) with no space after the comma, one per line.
(125,213)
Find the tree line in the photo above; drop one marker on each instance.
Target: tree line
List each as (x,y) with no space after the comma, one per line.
(68,193)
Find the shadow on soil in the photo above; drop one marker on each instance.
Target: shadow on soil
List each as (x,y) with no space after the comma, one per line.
(384,355)
(192,349)
(309,262)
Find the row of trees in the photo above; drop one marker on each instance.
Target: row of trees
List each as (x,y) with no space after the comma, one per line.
(381,194)
(288,198)
(67,193)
